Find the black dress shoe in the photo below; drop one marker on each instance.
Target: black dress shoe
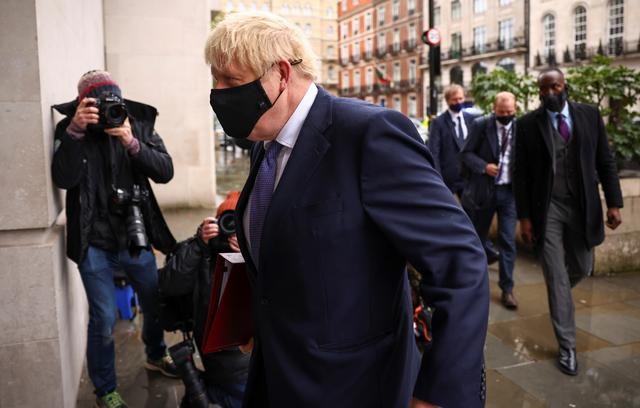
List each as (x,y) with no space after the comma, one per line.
(567,361)
(509,301)
(493,255)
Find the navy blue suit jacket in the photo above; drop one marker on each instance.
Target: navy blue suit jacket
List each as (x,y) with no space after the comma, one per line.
(445,147)
(481,148)
(360,197)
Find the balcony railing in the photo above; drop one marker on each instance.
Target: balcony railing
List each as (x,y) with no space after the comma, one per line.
(617,48)
(485,48)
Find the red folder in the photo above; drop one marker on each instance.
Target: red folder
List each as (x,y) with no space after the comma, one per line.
(230,318)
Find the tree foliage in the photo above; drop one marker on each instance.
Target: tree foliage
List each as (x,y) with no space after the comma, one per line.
(615,90)
(485,87)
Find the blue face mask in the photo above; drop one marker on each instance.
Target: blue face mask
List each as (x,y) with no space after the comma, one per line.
(456,107)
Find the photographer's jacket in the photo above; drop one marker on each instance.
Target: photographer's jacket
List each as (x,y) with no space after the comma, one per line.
(87,168)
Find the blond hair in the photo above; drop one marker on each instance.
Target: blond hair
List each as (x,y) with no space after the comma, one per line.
(452,89)
(256,40)
(504,96)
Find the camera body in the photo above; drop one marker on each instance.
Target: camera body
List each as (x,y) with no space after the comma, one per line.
(112,111)
(127,204)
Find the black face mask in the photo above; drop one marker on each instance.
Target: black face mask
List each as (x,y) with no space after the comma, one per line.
(456,107)
(239,108)
(504,120)
(554,103)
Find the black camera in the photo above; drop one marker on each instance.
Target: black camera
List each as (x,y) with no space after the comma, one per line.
(125,204)
(112,111)
(227,223)
(195,394)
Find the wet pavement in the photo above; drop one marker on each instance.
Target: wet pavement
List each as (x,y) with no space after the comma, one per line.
(520,348)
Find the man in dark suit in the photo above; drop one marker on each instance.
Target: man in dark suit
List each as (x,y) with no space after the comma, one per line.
(340,196)
(562,153)
(488,155)
(447,135)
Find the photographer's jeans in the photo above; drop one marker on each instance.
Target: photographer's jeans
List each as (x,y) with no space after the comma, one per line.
(96,271)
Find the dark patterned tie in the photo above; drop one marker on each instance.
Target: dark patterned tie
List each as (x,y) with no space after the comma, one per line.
(459,128)
(261,196)
(563,128)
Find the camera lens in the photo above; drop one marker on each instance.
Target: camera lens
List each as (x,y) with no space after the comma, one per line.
(227,223)
(115,114)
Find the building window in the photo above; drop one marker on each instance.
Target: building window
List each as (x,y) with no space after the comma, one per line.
(396,72)
(368,48)
(344,54)
(395,9)
(456,45)
(456,76)
(479,39)
(355,53)
(549,37)
(369,79)
(367,21)
(356,81)
(329,12)
(580,32)
(295,9)
(412,108)
(505,30)
(330,30)
(478,68)
(343,5)
(331,51)
(331,72)
(456,10)
(344,30)
(508,64)
(355,26)
(479,6)
(411,6)
(345,82)
(381,11)
(396,103)
(616,26)
(436,16)
(307,29)
(505,2)
(382,43)
(412,36)
(412,72)
(396,40)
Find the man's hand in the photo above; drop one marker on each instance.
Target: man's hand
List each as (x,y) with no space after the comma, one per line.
(208,229)
(246,348)
(121,132)
(491,169)
(86,114)
(526,231)
(416,403)
(233,243)
(613,218)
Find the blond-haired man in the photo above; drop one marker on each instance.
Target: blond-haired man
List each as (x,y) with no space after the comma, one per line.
(341,194)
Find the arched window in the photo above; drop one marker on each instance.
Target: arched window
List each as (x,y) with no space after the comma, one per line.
(456,76)
(508,64)
(478,68)
(549,37)
(580,32)
(616,26)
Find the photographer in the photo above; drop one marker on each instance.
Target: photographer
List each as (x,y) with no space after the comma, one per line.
(186,279)
(105,150)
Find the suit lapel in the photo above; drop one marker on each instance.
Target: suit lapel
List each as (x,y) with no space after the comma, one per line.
(545,129)
(492,136)
(305,157)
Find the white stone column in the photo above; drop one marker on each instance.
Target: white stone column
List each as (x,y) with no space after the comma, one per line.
(155,50)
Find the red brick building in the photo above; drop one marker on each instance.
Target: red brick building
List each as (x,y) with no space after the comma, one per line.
(380,49)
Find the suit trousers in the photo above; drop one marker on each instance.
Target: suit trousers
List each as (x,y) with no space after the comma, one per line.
(505,206)
(566,260)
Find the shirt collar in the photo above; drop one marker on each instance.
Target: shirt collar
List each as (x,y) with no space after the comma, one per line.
(564,111)
(454,115)
(289,133)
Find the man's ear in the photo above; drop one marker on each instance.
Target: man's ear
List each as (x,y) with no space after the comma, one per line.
(285,69)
